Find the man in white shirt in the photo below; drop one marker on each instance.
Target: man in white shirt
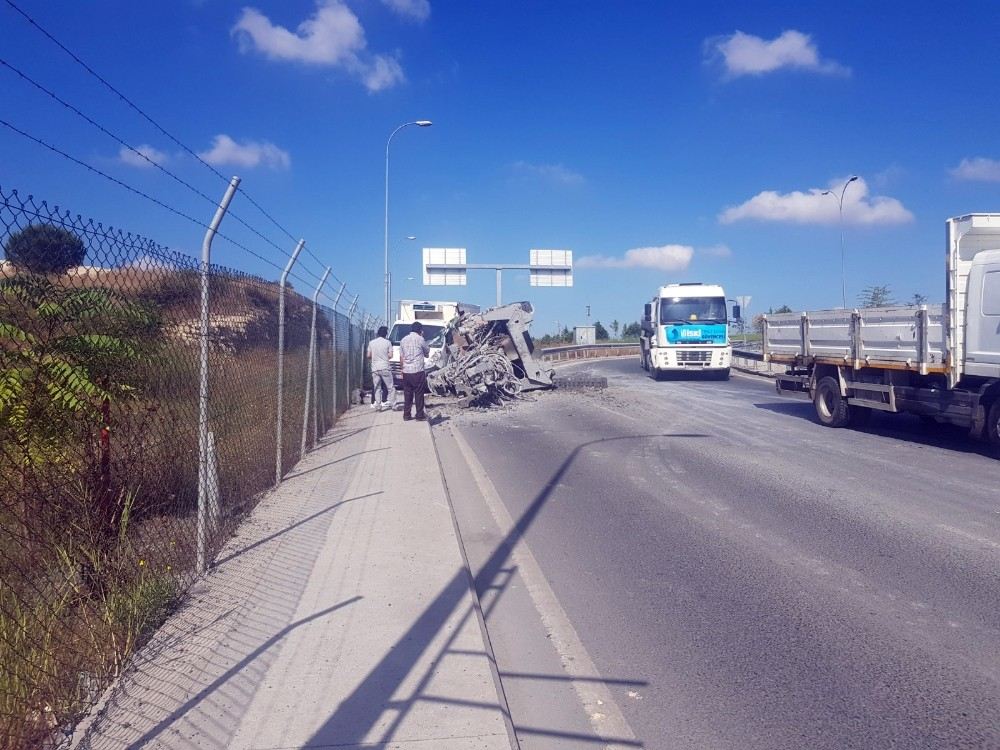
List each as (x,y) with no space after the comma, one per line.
(380,352)
(412,350)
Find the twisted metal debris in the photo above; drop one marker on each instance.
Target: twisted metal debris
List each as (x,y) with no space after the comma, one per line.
(487,357)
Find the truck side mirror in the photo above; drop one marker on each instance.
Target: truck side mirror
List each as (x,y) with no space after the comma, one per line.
(736,312)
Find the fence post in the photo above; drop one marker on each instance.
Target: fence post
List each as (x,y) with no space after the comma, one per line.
(364,351)
(281,357)
(336,301)
(312,355)
(206,263)
(350,346)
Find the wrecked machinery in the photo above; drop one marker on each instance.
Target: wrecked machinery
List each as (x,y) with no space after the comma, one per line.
(488,357)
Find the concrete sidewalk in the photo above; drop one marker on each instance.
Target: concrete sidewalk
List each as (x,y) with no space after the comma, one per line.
(340,615)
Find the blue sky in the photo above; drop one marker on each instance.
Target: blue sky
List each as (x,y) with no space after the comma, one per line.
(658,141)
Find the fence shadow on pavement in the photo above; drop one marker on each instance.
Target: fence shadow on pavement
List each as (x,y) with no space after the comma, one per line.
(236,669)
(363,710)
(301,522)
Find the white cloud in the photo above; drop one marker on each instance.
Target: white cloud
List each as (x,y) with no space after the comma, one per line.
(332,37)
(813,207)
(555,173)
(133,159)
(663,258)
(383,73)
(416,10)
(746,54)
(226,151)
(978,168)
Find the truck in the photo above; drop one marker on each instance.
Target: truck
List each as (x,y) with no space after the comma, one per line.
(434,316)
(685,328)
(940,362)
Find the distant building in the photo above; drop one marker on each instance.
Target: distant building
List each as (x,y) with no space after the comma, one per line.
(584,335)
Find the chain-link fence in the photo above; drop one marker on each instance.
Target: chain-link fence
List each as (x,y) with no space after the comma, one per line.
(100,459)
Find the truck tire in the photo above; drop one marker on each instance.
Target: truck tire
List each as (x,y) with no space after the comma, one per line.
(993,424)
(831,407)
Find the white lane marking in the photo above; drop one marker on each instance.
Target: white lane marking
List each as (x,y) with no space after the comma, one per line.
(605,716)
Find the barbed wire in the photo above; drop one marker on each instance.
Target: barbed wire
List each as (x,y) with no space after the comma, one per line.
(136,108)
(140,193)
(24,76)
(104,130)
(235,216)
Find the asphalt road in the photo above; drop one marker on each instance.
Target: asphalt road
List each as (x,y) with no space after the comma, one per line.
(693,564)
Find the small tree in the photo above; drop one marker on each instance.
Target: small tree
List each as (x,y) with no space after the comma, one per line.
(615,325)
(917,300)
(631,330)
(876,296)
(65,355)
(600,331)
(783,309)
(44,248)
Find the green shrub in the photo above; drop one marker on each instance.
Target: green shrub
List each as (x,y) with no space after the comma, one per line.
(44,248)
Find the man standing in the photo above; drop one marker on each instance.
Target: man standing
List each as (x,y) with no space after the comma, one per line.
(380,352)
(412,350)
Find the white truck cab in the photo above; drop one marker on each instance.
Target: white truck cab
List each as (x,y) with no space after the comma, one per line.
(434,316)
(685,328)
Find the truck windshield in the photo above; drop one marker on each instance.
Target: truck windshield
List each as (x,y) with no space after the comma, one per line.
(401,329)
(692,310)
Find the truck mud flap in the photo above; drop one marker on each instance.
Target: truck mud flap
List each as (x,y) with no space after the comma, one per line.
(791,383)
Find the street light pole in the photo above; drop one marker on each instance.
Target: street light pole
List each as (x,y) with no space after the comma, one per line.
(843,272)
(418,123)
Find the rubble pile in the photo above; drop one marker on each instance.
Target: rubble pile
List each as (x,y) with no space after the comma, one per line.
(488,357)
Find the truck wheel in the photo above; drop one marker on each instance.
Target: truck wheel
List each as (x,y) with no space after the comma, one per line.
(831,407)
(993,424)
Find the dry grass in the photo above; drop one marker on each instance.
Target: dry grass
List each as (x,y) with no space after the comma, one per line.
(76,599)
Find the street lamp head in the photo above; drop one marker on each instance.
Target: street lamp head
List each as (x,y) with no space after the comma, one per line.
(410,237)
(428,123)
(853,178)
(826,192)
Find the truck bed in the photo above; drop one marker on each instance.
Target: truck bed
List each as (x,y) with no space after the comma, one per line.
(900,338)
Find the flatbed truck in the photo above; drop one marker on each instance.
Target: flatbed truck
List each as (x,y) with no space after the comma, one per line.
(941,362)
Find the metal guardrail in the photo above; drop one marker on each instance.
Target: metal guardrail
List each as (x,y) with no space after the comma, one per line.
(749,354)
(589,351)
